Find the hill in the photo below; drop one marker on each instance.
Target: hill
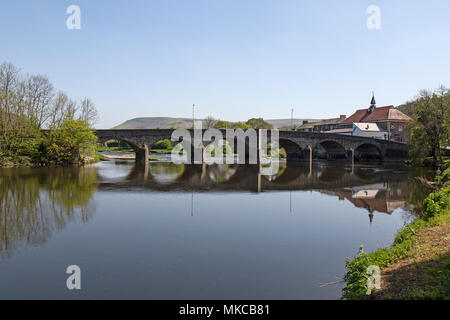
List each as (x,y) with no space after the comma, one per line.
(167,122)
(155,123)
(286,123)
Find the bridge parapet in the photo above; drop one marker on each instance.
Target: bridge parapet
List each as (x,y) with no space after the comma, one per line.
(297,144)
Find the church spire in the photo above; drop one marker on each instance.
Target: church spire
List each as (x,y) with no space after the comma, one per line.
(373,103)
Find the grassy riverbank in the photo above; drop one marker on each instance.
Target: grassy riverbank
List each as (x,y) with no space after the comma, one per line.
(417,265)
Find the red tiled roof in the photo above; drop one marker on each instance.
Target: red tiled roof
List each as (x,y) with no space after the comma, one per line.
(377,114)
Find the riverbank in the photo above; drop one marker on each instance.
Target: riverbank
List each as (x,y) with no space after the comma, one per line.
(416,266)
(425,272)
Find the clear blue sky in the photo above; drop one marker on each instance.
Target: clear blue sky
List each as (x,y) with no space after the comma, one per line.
(235,59)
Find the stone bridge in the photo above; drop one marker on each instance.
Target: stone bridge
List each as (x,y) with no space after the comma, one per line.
(299,146)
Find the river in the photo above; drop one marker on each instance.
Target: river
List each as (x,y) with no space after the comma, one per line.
(170,231)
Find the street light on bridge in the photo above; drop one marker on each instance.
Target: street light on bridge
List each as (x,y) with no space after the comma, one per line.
(292,119)
(193,118)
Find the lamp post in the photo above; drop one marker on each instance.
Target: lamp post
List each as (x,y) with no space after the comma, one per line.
(193,118)
(292,119)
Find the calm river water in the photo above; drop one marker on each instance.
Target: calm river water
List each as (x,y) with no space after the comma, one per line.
(195,232)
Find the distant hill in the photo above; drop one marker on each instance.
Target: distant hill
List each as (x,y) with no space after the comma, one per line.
(155,123)
(167,122)
(286,123)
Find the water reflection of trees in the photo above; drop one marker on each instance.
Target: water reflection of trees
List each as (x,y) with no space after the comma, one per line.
(35,202)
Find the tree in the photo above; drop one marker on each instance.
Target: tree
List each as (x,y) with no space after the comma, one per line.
(220,124)
(88,111)
(258,123)
(431,125)
(165,144)
(9,85)
(28,104)
(239,125)
(209,122)
(38,94)
(72,142)
(60,109)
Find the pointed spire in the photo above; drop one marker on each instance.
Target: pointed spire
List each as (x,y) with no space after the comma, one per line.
(371,217)
(373,103)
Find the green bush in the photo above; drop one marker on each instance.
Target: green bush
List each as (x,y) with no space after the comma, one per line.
(446,176)
(165,144)
(436,202)
(73,142)
(356,276)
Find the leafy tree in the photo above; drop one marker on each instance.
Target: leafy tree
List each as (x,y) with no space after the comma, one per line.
(431,125)
(239,125)
(220,124)
(258,123)
(73,142)
(165,144)
(27,105)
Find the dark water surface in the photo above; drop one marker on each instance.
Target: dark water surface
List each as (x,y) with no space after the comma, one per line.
(195,232)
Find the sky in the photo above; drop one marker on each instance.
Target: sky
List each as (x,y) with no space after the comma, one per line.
(233,59)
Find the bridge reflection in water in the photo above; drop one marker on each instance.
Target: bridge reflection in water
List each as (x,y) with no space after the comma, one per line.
(35,202)
(371,187)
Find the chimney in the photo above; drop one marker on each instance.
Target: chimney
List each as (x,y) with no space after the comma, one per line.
(342,117)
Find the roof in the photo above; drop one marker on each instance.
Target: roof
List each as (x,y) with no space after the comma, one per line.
(329,121)
(321,123)
(388,113)
(367,126)
(343,130)
(308,125)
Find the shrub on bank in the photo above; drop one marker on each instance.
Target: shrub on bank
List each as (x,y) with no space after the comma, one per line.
(436,203)
(165,144)
(356,277)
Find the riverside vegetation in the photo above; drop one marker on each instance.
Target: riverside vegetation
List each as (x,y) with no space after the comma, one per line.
(39,126)
(417,265)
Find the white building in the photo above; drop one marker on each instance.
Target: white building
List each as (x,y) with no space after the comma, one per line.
(363,129)
(369,130)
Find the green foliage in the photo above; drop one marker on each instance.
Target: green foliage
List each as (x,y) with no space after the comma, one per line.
(27,105)
(436,203)
(165,144)
(73,142)
(356,276)
(258,123)
(444,178)
(431,125)
(20,145)
(220,124)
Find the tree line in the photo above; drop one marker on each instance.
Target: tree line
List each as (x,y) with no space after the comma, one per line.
(430,128)
(40,125)
(253,123)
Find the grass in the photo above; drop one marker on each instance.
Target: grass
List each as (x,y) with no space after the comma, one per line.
(416,266)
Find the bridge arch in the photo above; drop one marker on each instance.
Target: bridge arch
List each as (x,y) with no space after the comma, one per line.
(294,151)
(140,151)
(329,149)
(368,152)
